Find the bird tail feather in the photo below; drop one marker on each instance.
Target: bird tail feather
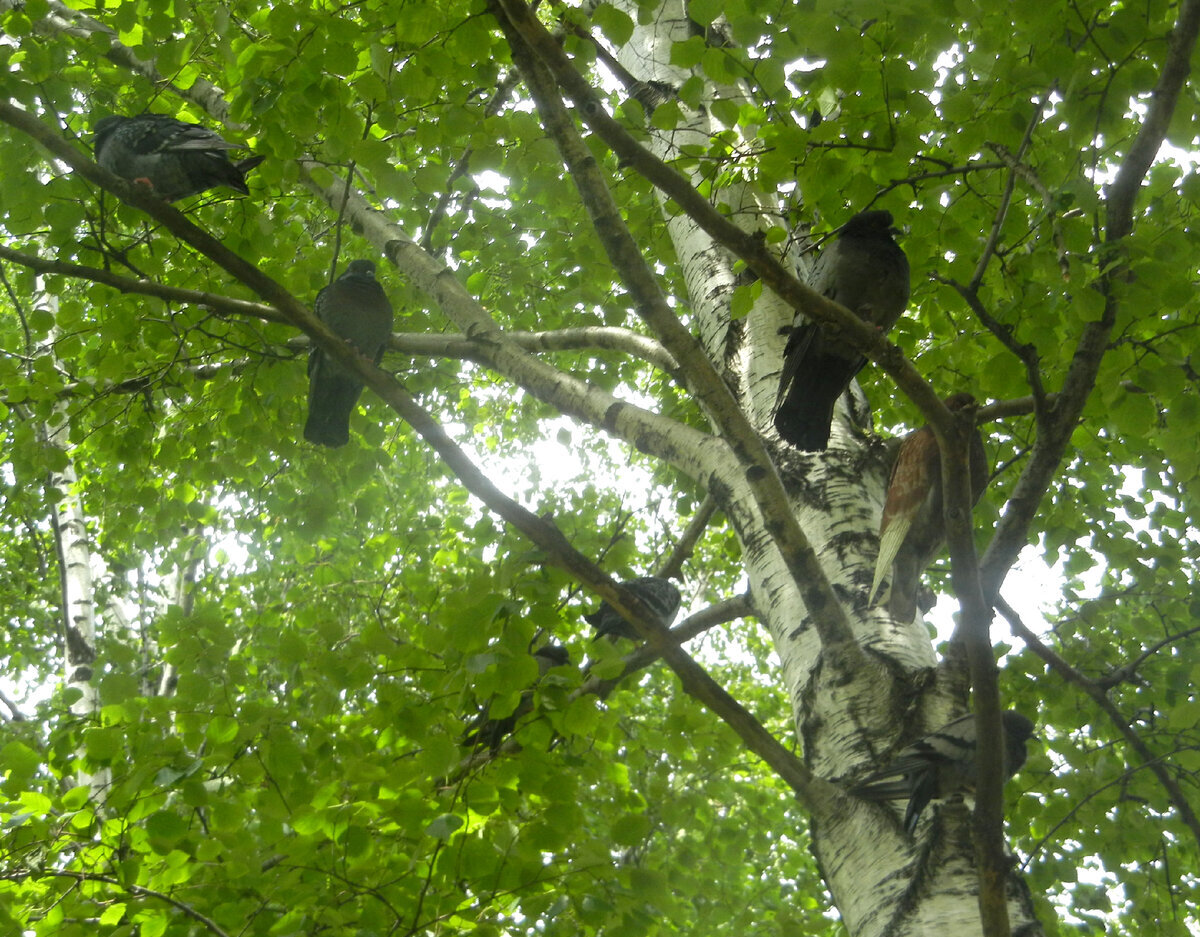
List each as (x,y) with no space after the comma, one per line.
(890,542)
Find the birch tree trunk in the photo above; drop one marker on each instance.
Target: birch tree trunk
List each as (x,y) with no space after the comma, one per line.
(860,684)
(883,883)
(69,521)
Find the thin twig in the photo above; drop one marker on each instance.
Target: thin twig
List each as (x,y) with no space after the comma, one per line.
(686,544)
(138,891)
(1098,695)
(704,382)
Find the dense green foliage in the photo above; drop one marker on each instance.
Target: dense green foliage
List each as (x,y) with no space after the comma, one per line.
(353,608)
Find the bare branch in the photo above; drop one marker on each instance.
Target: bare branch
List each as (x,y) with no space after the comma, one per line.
(687,541)
(993,238)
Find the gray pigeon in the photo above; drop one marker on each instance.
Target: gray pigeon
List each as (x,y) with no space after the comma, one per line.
(355,308)
(659,594)
(173,158)
(484,730)
(867,272)
(942,763)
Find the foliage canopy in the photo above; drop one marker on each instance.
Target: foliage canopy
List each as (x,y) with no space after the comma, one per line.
(331,620)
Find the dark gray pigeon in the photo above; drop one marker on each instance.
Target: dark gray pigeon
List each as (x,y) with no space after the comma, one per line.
(485,731)
(867,272)
(942,763)
(173,158)
(659,594)
(355,308)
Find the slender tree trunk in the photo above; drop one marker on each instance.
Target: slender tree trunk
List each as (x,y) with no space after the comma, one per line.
(74,551)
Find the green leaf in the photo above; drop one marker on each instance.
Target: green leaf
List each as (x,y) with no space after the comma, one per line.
(615,24)
(444,826)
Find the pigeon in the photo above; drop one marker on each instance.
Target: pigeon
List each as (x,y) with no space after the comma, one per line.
(484,731)
(867,272)
(355,308)
(912,529)
(659,594)
(942,763)
(173,158)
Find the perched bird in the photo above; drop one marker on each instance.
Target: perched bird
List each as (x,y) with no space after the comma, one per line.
(867,272)
(659,594)
(173,158)
(356,308)
(912,529)
(942,763)
(485,731)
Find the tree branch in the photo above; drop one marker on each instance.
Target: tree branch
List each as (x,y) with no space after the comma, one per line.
(974,629)
(720,613)
(1010,184)
(1100,698)
(704,382)
(1124,189)
(1053,438)
(689,450)
(1031,178)
(1127,671)
(610,338)
(687,542)
(171,294)
(545,534)
(1027,354)
(136,890)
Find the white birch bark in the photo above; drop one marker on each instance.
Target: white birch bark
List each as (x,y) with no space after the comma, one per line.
(75,573)
(183,595)
(883,882)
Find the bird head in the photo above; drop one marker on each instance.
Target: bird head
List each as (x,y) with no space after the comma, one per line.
(555,654)
(869,224)
(105,126)
(1017,726)
(360,268)
(959,401)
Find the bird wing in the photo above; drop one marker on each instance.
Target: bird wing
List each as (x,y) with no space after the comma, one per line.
(794,353)
(658,593)
(912,482)
(178,136)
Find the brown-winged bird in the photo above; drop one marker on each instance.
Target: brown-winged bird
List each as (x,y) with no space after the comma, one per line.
(942,763)
(912,528)
(355,307)
(867,272)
